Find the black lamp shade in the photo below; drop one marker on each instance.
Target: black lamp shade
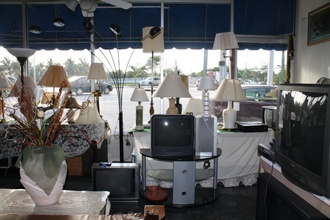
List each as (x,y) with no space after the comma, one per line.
(34,29)
(87,25)
(154,32)
(58,22)
(115,29)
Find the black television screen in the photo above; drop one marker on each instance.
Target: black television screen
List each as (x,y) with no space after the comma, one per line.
(302,141)
(172,135)
(122,180)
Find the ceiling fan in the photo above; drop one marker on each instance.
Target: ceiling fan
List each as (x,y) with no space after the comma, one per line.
(88,6)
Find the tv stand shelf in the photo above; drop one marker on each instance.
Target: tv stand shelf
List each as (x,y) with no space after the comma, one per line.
(184,174)
(167,174)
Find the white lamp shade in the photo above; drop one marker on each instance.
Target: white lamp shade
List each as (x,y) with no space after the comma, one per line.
(206,83)
(54,77)
(21,52)
(230,90)
(5,82)
(89,115)
(97,71)
(225,41)
(194,106)
(155,44)
(29,88)
(172,86)
(139,95)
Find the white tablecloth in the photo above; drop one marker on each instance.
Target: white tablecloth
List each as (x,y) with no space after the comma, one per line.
(238,163)
(17,201)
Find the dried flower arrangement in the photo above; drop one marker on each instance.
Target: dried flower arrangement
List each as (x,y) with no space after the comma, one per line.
(45,132)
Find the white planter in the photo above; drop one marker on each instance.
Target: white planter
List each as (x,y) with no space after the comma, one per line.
(37,194)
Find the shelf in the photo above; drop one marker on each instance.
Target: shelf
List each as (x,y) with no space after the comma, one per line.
(203,196)
(167,174)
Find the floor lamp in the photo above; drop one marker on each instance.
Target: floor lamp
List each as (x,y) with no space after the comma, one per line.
(97,73)
(153,41)
(22,54)
(226,41)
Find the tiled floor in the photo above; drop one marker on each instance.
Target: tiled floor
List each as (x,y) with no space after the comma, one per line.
(234,203)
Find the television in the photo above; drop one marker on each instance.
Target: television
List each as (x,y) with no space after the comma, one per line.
(122,180)
(269,116)
(172,135)
(302,136)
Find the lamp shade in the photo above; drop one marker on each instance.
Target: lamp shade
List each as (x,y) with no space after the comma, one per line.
(139,95)
(54,77)
(225,41)
(21,52)
(72,103)
(206,83)
(172,86)
(230,90)
(28,89)
(153,39)
(97,71)
(194,106)
(5,82)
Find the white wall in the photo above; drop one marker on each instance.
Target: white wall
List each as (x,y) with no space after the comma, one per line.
(311,62)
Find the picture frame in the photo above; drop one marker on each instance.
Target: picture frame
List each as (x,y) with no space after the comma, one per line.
(319,25)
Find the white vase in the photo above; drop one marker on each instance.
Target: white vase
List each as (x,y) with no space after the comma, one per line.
(37,194)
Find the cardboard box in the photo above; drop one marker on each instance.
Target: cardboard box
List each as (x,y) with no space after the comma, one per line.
(80,165)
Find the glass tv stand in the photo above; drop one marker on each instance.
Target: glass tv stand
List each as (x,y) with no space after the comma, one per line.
(184,192)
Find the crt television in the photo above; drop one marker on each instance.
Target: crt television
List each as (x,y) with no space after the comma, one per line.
(302,136)
(122,180)
(269,116)
(172,135)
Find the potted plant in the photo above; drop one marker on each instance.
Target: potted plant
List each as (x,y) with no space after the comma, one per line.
(42,163)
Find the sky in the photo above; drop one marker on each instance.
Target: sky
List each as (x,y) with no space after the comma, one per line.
(188,60)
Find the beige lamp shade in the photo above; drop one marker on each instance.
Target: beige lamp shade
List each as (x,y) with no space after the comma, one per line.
(139,95)
(225,41)
(89,115)
(194,106)
(230,90)
(72,103)
(206,83)
(97,71)
(152,43)
(28,89)
(273,93)
(172,86)
(54,77)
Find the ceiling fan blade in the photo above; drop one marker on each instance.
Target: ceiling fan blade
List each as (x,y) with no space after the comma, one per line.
(118,3)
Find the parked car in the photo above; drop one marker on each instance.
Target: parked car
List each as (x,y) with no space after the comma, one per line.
(80,84)
(251,109)
(148,81)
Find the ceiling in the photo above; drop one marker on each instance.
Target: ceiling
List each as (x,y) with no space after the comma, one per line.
(192,24)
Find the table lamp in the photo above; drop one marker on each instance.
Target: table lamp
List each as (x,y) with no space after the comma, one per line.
(229,90)
(97,72)
(71,104)
(153,42)
(54,77)
(206,83)
(139,95)
(226,41)
(5,84)
(172,87)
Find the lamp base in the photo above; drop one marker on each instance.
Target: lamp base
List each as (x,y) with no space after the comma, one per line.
(172,110)
(229,117)
(139,118)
